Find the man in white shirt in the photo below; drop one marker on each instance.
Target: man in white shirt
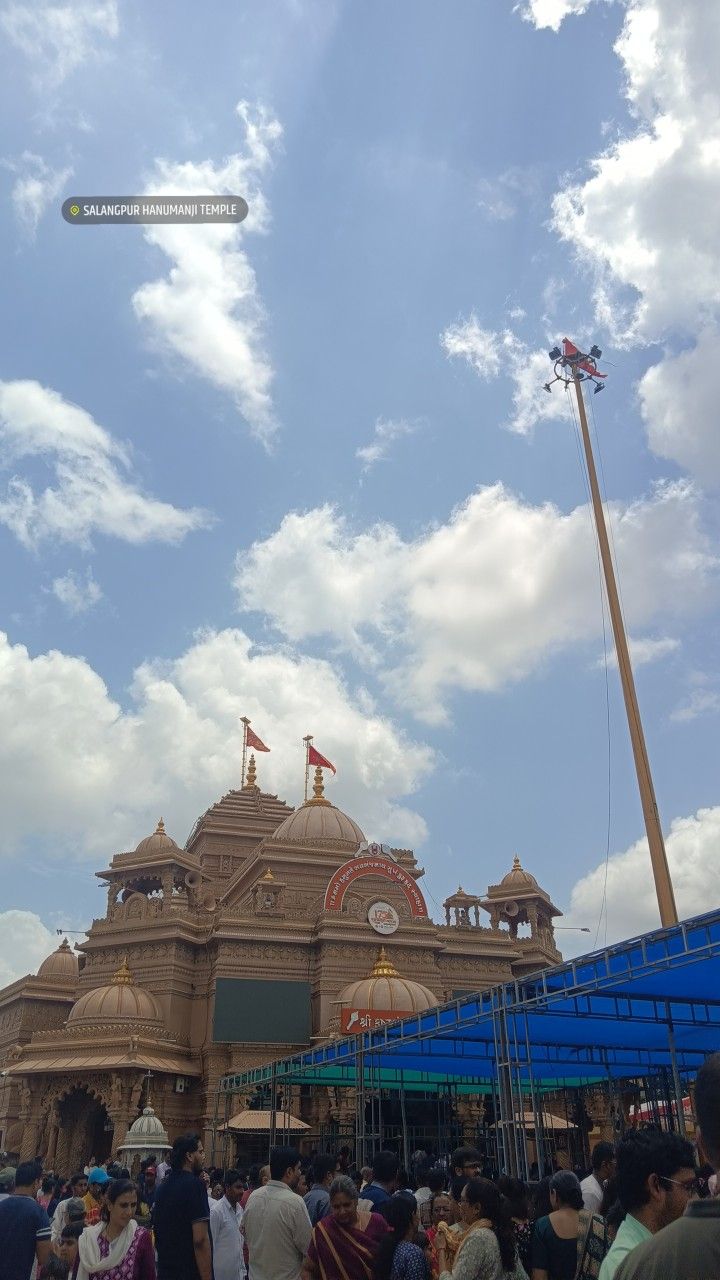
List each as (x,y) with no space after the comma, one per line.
(276,1224)
(225,1218)
(603,1168)
(163,1170)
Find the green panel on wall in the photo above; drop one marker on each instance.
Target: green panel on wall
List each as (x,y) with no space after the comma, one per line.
(258,1012)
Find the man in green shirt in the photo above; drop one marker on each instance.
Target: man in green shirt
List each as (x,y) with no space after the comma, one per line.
(656,1178)
(689,1249)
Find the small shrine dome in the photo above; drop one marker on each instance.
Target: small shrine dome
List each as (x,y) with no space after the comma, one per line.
(61,965)
(146,1134)
(119,1001)
(386,990)
(158,845)
(518,878)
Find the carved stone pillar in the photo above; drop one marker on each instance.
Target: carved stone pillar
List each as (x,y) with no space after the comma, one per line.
(30,1119)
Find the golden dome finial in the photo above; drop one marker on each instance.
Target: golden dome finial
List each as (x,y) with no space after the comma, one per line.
(383,967)
(160,828)
(251,778)
(123,977)
(516,864)
(318,795)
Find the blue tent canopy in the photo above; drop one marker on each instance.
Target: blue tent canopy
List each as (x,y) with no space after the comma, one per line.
(624,1011)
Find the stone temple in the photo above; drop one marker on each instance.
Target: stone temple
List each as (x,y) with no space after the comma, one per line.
(259,937)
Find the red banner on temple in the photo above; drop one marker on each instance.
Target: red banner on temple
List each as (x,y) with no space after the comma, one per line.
(254,742)
(315,758)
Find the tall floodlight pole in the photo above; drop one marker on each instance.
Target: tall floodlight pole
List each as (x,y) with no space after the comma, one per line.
(572,367)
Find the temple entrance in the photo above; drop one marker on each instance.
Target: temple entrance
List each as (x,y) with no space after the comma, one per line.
(85,1131)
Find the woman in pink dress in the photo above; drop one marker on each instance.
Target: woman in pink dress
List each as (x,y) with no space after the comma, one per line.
(117,1248)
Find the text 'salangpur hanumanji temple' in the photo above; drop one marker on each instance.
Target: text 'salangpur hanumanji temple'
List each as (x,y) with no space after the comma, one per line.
(260,936)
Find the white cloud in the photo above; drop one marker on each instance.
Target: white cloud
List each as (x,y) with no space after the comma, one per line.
(701,702)
(494,353)
(692,850)
(106,774)
(387,431)
(91,492)
(481,600)
(499,198)
(207,310)
(24,943)
(551,13)
(36,186)
(643,222)
(643,649)
(58,38)
(678,401)
(77,594)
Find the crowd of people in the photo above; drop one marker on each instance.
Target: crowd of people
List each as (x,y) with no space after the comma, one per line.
(647,1210)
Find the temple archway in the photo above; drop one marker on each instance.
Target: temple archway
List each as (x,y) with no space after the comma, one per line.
(374,865)
(85,1130)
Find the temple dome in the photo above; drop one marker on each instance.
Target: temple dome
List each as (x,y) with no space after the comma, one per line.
(518,878)
(159,844)
(319,821)
(384,989)
(313,822)
(120,1001)
(147,1133)
(61,966)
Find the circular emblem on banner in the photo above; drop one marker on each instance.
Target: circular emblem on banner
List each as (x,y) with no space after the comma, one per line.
(383,917)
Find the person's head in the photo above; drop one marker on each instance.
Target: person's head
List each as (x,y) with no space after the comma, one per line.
(79,1184)
(343,1200)
(264,1174)
(465,1162)
(233,1186)
(481,1199)
(366,1174)
(150,1175)
(655,1176)
(120,1203)
(441,1209)
(603,1161)
(7,1180)
(75,1211)
(707,1109)
(539,1206)
(98,1183)
(302,1186)
(187,1153)
(435,1180)
(27,1178)
(401,1215)
(565,1190)
(254,1176)
(343,1158)
(515,1193)
(48,1185)
(323,1170)
(68,1243)
(217,1191)
(285,1165)
(385,1167)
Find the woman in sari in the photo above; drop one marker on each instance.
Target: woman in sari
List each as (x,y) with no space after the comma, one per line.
(117,1248)
(344,1243)
(488,1250)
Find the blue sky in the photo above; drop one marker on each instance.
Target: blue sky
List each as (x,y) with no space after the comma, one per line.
(305,470)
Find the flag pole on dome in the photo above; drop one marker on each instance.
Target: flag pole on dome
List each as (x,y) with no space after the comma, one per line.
(307,740)
(251,740)
(572,367)
(245,723)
